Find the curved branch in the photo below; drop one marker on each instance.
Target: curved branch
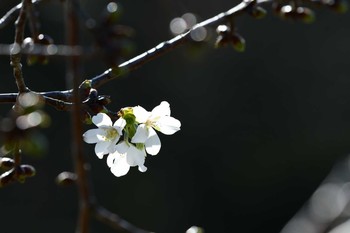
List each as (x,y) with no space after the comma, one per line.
(11,15)
(169,45)
(114,221)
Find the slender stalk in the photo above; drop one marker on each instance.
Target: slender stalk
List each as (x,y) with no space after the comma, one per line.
(10,16)
(15,51)
(73,80)
(169,45)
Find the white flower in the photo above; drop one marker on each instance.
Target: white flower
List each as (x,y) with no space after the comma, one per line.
(159,118)
(126,155)
(106,135)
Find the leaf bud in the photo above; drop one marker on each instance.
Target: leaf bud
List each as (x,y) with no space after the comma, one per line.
(339,6)
(258,12)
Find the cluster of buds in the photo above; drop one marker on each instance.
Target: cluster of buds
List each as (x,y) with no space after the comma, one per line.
(227,36)
(14,172)
(294,12)
(93,103)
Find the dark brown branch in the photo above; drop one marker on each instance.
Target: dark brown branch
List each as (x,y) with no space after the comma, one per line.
(114,221)
(15,52)
(169,45)
(11,15)
(57,99)
(73,80)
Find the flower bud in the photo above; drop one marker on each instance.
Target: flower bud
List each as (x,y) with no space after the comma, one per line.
(286,12)
(28,170)
(238,42)
(66,178)
(43,39)
(305,14)
(7,177)
(104,100)
(7,163)
(84,88)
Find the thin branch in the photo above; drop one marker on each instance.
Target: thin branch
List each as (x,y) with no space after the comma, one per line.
(114,221)
(169,45)
(15,52)
(73,80)
(11,15)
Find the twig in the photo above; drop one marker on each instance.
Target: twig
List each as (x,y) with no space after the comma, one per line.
(73,79)
(169,45)
(114,220)
(11,15)
(15,52)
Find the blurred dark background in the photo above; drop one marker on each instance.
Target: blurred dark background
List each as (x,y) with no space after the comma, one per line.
(260,129)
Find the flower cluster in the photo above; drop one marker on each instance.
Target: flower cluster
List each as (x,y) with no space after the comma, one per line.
(128,140)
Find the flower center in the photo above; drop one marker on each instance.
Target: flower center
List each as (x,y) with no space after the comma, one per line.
(111,134)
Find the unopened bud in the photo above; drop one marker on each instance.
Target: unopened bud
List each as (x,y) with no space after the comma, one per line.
(305,14)
(7,177)
(28,170)
(104,100)
(238,42)
(66,178)
(258,12)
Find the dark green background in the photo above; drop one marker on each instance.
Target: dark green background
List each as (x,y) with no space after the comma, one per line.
(260,129)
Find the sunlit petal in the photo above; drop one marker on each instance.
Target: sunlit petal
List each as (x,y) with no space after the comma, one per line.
(142,168)
(141,134)
(102,119)
(135,157)
(163,109)
(120,166)
(153,143)
(90,136)
(101,148)
(141,114)
(168,125)
(119,125)
(111,159)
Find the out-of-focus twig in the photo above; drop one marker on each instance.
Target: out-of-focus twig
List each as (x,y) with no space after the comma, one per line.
(11,15)
(15,52)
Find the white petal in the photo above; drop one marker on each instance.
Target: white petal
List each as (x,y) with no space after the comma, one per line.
(163,109)
(141,135)
(142,168)
(120,166)
(111,159)
(141,114)
(122,147)
(119,125)
(168,125)
(135,157)
(101,149)
(153,143)
(102,119)
(90,136)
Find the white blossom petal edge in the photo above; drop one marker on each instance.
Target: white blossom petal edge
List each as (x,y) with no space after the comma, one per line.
(159,119)
(125,156)
(106,135)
